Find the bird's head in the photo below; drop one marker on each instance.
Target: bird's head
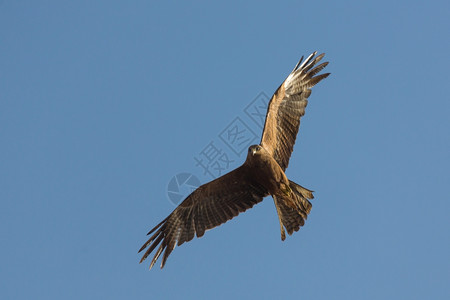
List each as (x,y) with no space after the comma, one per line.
(254,150)
(255,154)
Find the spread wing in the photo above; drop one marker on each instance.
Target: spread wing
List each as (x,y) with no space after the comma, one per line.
(287,106)
(208,206)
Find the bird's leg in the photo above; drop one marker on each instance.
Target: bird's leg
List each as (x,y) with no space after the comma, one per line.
(286,189)
(287,195)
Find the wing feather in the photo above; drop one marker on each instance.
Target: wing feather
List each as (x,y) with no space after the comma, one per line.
(201,217)
(209,206)
(288,105)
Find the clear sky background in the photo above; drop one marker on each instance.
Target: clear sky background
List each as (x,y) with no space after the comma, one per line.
(102,103)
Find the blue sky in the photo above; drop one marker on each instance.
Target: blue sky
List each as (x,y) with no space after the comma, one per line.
(103,103)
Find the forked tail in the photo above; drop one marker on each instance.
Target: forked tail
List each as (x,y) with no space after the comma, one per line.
(292,218)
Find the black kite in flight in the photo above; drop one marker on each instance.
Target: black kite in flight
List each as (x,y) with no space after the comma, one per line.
(261,175)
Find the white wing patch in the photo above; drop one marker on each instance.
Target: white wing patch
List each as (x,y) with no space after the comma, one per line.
(296,72)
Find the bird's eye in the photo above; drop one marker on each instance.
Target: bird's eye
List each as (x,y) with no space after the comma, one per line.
(258,148)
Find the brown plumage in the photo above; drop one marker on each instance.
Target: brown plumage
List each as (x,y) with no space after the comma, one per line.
(261,174)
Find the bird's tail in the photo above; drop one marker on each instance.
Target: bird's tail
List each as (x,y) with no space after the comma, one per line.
(292,217)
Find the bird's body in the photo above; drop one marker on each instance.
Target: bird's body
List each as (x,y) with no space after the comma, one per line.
(266,170)
(262,174)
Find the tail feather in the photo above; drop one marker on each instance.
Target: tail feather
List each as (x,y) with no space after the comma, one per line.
(292,218)
(281,213)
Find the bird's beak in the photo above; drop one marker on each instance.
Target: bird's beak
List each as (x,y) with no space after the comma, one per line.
(253,152)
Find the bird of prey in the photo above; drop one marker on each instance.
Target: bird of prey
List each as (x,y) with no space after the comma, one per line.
(262,174)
